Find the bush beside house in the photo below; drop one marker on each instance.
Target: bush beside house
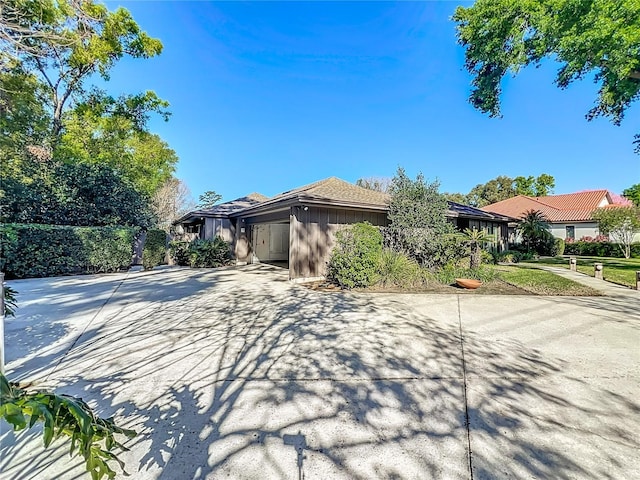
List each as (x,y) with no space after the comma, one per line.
(32,250)
(155,248)
(201,253)
(355,259)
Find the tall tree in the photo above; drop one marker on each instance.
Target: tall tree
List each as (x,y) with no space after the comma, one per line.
(598,37)
(496,190)
(72,41)
(208,199)
(172,200)
(539,186)
(109,131)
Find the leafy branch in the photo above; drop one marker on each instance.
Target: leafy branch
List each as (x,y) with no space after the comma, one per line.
(63,415)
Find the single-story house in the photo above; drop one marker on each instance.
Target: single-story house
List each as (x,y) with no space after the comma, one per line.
(297,228)
(569,215)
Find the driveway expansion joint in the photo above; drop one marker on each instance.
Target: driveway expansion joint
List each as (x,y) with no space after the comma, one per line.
(464,386)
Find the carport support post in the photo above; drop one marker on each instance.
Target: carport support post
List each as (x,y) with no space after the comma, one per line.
(638,280)
(2,323)
(597,270)
(573,262)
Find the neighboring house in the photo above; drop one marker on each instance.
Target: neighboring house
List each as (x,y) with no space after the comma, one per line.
(570,215)
(297,228)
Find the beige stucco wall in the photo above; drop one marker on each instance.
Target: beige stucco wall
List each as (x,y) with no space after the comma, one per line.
(582,229)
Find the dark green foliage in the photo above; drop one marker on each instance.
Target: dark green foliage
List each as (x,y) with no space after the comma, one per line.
(534,228)
(179,252)
(559,247)
(419,226)
(201,253)
(10,301)
(73,194)
(209,253)
(49,250)
(356,256)
(599,249)
(65,416)
(633,192)
(509,256)
(155,248)
(594,39)
(208,199)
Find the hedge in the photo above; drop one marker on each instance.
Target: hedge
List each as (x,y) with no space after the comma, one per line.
(599,249)
(32,250)
(155,248)
(201,253)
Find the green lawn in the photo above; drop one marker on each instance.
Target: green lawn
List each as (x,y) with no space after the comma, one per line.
(616,270)
(542,282)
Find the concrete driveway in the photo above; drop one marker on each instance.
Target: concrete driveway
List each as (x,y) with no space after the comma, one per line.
(237,373)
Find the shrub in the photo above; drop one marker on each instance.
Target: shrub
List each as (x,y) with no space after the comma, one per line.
(419,226)
(599,249)
(559,247)
(510,256)
(179,252)
(355,259)
(48,250)
(201,253)
(155,248)
(209,253)
(397,269)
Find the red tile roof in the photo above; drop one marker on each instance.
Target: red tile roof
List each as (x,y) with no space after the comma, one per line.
(570,207)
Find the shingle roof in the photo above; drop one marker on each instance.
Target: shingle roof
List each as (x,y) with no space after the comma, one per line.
(332,190)
(571,207)
(226,208)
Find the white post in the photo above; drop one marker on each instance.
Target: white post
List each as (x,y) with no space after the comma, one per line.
(2,323)
(638,280)
(573,264)
(597,270)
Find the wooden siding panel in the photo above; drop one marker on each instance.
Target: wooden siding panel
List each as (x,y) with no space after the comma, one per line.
(313,234)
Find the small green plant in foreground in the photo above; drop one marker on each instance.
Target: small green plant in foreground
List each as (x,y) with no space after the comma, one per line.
(63,415)
(10,302)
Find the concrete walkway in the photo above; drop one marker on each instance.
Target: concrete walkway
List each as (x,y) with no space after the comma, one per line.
(238,373)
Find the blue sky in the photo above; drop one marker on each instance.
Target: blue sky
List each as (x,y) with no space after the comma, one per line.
(270,96)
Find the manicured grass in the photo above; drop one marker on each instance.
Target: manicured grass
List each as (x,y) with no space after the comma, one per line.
(541,282)
(616,270)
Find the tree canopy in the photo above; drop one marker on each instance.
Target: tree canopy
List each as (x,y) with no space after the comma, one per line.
(69,42)
(587,37)
(621,224)
(503,187)
(633,193)
(208,199)
(53,121)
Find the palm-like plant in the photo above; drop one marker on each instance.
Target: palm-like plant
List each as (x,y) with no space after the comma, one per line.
(534,227)
(475,239)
